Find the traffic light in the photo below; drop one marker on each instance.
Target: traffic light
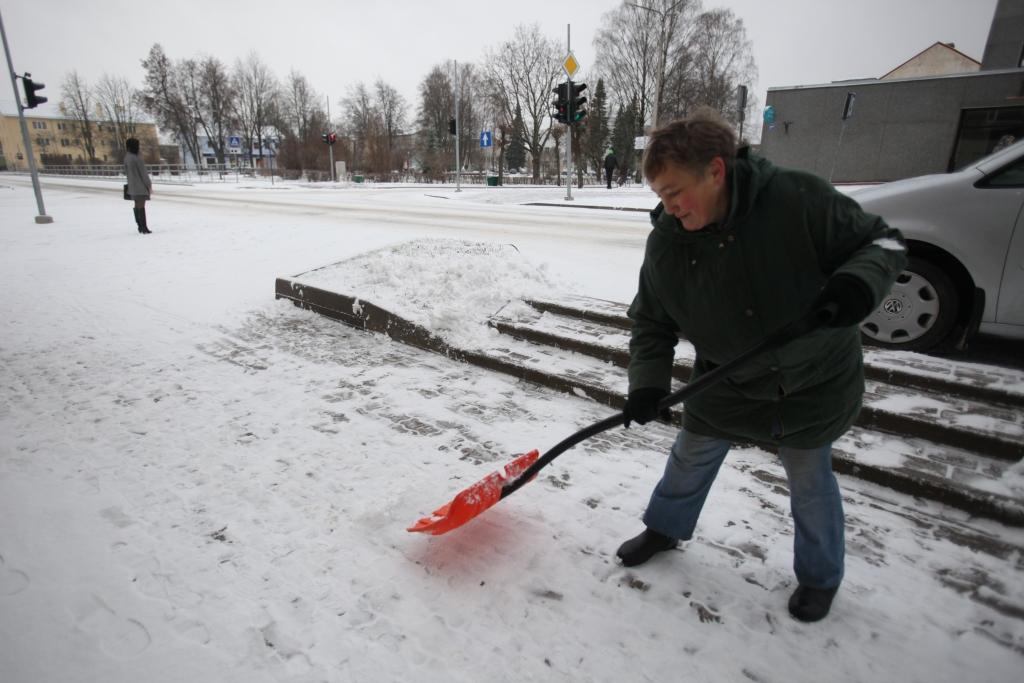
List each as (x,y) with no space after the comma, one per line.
(32,100)
(577,112)
(451,126)
(332,138)
(326,138)
(561,103)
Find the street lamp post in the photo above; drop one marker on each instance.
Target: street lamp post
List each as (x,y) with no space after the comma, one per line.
(662,54)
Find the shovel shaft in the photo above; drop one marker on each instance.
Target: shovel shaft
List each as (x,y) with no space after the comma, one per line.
(812,321)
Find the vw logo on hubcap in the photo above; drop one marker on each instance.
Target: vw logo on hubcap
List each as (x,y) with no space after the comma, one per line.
(893,306)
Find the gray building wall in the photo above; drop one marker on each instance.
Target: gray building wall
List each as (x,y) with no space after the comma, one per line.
(1005,46)
(899,128)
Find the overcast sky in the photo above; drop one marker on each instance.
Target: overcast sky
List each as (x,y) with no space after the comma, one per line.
(337,43)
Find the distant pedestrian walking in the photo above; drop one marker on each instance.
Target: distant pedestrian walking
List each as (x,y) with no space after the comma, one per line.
(139,187)
(610,163)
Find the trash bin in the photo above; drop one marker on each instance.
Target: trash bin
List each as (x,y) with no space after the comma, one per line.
(492,181)
(357,178)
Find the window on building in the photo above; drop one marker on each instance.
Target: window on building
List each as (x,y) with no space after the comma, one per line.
(981,131)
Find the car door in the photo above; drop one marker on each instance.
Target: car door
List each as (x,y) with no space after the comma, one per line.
(1010,309)
(1010,296)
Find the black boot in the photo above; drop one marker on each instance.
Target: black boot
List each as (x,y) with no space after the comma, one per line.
(142,222)
(138,221)
(639,549)
(811,604)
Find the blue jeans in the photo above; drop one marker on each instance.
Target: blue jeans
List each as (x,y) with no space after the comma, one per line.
(814,497)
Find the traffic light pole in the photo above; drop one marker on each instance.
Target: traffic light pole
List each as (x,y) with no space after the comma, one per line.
(42,217)
(458,129)
(568,146)
(330,147)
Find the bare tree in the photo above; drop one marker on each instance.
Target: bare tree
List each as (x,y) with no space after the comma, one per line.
(119,103)
(638,40)
(391,110)
(215,104)
(525,69)
(720,61)
(362,126)
(475,111)
(256,101)
(301,121)
(77,103)
(437,106)
(162,98)
(496,114)
(557,133)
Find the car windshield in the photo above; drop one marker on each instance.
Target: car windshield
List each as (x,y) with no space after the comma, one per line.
(1008,152)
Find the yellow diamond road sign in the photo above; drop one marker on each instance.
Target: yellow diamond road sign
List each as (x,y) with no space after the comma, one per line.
(570,65)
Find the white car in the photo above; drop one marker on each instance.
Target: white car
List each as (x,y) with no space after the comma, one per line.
(965,234)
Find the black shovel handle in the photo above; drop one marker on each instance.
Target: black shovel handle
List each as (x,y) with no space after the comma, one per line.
(819,317)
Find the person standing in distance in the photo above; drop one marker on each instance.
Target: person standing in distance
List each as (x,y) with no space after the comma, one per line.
(140,187)
(739,248)
(610,163)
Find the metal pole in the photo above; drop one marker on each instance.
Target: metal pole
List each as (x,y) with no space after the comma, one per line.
(568,146)
(330,148)
(42,217)
(835,156)
(458,129)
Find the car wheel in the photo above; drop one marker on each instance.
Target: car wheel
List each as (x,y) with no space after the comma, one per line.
(919,311)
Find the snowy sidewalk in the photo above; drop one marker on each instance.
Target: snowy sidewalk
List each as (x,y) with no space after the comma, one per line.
(198,483)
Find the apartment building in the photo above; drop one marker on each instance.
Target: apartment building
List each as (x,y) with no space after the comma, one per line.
(58,141)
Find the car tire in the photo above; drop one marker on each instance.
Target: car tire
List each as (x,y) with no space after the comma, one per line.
(918,313)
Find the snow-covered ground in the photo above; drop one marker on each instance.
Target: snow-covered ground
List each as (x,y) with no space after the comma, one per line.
(199,483)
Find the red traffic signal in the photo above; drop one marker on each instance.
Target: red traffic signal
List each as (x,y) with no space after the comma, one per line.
(561,103)
(32,100)
(332,138)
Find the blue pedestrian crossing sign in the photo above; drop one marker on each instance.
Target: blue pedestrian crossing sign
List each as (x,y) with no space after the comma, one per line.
(485,138)
(234,141)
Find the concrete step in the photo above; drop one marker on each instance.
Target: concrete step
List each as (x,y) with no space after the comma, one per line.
(936,408)
(911,370)
(958,476)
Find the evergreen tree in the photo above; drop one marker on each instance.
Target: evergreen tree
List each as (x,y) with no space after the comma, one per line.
(624,131)
(595,131)
(516,155)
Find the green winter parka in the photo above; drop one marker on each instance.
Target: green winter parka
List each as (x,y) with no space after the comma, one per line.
(727,286)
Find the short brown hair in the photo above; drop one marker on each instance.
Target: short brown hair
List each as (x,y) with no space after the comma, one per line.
(690,143)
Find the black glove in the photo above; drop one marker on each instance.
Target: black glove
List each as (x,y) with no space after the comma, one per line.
(642,405)
(851,298)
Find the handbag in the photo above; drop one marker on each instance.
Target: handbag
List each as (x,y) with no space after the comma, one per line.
(126,195)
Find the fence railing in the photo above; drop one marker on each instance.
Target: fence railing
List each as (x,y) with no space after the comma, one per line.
(180,173)
(222,173)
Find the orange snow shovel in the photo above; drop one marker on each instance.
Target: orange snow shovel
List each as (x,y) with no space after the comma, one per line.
(472,501)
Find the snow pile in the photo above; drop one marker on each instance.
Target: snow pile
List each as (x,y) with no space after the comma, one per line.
(450,287)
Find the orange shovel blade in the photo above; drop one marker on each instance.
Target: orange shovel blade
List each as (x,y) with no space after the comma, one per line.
(470,502)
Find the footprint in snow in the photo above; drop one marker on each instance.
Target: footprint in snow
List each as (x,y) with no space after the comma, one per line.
(119,637)
(12,581)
